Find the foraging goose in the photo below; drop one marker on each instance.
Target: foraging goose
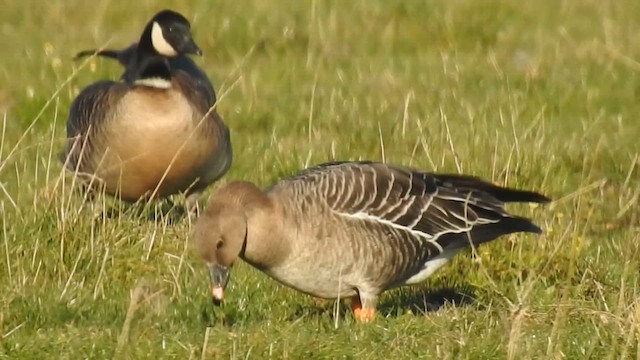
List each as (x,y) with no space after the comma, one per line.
(156,135)
(353,229)
(127,58)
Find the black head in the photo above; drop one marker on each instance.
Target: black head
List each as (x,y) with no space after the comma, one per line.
(169,34)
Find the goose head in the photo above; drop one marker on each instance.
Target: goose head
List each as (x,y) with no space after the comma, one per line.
(168,34)
(220,235)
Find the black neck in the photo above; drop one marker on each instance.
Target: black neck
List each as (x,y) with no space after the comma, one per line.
(153,67)
(150,64)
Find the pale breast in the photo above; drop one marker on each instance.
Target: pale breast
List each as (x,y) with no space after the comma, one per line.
(322,261)
(153,144)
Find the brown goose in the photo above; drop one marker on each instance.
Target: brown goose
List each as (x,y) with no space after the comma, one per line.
(353,229)
(153,135)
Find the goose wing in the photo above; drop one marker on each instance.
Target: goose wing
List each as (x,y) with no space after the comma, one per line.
(126,57)
(202,98)
(445,210)
(201,81)
(88,111)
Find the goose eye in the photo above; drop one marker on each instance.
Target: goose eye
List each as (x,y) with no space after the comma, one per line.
(172,29)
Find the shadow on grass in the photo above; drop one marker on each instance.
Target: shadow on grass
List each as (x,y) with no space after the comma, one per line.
(421,302)
(417,300)
(163,211)
(396,304)
(228,316)
(108,207)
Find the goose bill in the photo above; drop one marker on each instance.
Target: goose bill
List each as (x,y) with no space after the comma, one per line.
(219,278)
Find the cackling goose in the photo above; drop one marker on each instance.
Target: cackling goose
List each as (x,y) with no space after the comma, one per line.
(155,135)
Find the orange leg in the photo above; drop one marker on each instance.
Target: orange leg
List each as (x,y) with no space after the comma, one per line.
(362,314)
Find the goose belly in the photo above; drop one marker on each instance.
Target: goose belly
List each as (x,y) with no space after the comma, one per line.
(335,256)
(345,276)
(320,281)
(154,147)
(321,264)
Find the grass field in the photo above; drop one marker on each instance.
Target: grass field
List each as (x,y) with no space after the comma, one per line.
(542,95)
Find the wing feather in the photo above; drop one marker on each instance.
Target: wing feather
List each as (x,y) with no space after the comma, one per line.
(88,111)
(440,212)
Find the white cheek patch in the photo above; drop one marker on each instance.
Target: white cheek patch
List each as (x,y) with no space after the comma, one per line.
(156,82)
(160,43)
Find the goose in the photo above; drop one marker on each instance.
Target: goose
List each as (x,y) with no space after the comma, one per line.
(127,58)
(156,135)
(353,229)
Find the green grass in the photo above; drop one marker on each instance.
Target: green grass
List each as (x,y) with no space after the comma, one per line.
(541,95)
